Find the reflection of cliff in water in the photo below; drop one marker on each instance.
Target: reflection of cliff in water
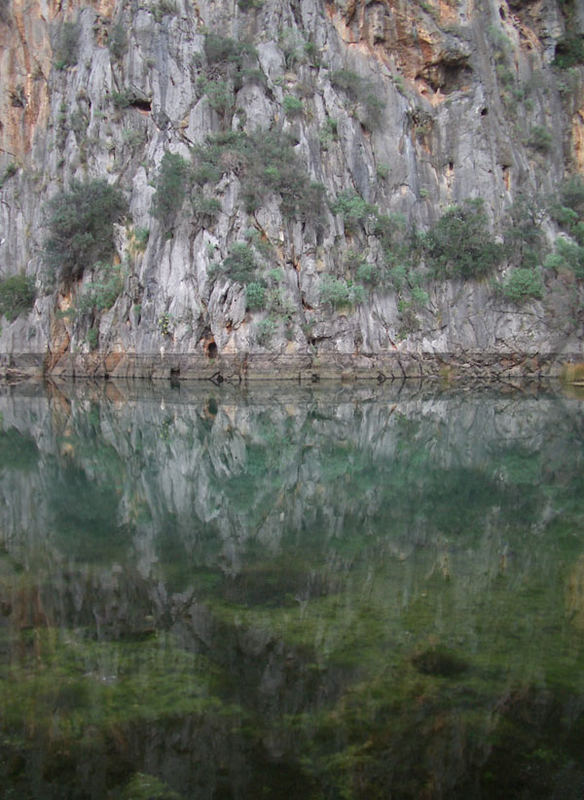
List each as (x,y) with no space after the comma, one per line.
(213,476)
(342,591)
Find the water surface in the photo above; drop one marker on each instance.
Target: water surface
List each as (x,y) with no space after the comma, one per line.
(282,593)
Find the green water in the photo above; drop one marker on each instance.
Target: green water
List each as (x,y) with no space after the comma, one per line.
(281,593)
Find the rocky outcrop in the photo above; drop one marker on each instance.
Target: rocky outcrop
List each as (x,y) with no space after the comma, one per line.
(399,108)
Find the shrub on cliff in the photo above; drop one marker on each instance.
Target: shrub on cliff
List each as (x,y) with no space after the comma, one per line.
(266,165)
(360,91)
(460,244)
(80,224)
(67,45)
(240,265)
(567,209)
(171,186)
(569,51)
(338,293)
(16,295)
(522,284)
(355,211)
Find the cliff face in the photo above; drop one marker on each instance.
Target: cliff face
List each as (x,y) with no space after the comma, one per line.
(280,162)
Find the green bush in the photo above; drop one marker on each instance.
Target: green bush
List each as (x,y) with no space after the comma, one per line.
(353,209)
(572,193)
(312,53)
(17,295)
(219,94)
(361,91)
(266,328)
(266,164)
(255,296)
(171,187)
(141,236)
(292,45)
(248,5)
(522,284)
(569,51)
(164,8)
(398,276)
(118,41)
(240,265)
(401,245)
(349,82)
(80,224)
(568,208)
(419,297)
(67,46)
(273,168)
(92,338)
(223,50)
(292,106)
(524,239)
(102,293)
(11,169)
(338,292)
(279,303)
(568,255)
(328,133)
(460,244)
(206,172)
(253,75)
(368,273)
(540,139)
(206,206)
(123,99)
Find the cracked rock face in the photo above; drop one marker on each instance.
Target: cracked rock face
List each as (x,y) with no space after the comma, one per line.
(409,107)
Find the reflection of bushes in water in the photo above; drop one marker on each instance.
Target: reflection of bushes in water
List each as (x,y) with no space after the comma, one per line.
(519,466)
(536,751)
(392,493)
(90,703)
(182,560)
(264,473)
(452,500)
(85,516)
(273,584)
(439,661)
(449,741)
(17,451)
(363,705)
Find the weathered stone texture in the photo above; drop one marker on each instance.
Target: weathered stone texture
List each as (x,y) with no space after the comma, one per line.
(447,131)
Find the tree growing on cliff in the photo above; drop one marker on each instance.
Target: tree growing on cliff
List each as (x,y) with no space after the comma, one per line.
(460,244)
(171,187)
(81,231)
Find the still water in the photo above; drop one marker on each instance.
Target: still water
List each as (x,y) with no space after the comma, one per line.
(337,593)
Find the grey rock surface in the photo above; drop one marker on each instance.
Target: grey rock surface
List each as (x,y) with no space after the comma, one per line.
(443,104)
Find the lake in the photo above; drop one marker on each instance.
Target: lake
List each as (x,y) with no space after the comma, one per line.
(282,592)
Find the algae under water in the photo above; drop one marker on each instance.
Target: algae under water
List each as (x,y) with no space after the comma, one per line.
(368,592)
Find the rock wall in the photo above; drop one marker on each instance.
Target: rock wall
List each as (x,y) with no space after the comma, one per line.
(408,107)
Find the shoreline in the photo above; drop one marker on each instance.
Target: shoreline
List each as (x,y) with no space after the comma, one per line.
(303,369)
